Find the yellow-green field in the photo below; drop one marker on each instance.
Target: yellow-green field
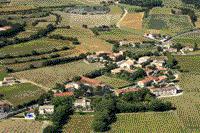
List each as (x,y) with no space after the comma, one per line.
(49,76)
(190,63)
(25,126)
(113,82)
(21,93)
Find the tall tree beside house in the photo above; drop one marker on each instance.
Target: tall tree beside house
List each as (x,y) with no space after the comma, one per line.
(195,46)
(59,87)
(65,100)
(50,129)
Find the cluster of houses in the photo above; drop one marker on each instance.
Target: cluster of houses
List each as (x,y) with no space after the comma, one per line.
(9,81)
(99,56)
(5,28)
(168,48)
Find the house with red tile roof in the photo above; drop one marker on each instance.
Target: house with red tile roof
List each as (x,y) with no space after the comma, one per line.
(118,92)
(63,94)
(147,81)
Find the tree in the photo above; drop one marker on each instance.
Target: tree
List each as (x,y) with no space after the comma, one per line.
(41,100)
(195,46)
(59,87)
(157,105)
(168,105)
(159,49)
(65,100)
(98,126)
(32,66)
(137,45)
(34,52)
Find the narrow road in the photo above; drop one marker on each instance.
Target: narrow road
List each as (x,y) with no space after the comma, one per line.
(118,24)
(42,86)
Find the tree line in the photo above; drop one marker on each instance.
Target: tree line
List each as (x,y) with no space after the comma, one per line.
(74,40)
(143,3)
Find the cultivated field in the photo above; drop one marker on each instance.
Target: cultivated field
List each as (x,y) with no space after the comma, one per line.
(160,10)
(20,126)
(174,23)
(49,76)
(146,122)
(132,20)
(21,93)
(42,44)
(113,82)
(77,20)
(114,31)
(72,32)
(42,3)
(137,50)
(188,40)
(190,63)
(79,124)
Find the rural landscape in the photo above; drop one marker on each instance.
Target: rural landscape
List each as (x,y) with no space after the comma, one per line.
(93,66)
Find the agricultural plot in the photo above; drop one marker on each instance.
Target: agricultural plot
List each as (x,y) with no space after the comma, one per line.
(146,122)
(138,50)
(113,82)
(175,23)
(190,63)
(121,37)
(44,24)
(79,124)
(188,40)
(132,20)
(42,3)
(21,93)
(114,31)
(160,10)
(72,32)
(77,20)
(25,126)
(40,45)
(49,76)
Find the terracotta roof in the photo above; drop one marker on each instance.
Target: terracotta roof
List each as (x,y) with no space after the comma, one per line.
(115,54)
(1,103)
(6,27)
(145,57)
(163,89)
(31,110)
(149,79)
(162,77)
(69,86)
(127,90)
(129,63)
(101,52)
(116,70)
(64,94)
(159,68)
(130,70)
(91,81)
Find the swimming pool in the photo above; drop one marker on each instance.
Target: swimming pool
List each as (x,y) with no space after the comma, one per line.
(30,116)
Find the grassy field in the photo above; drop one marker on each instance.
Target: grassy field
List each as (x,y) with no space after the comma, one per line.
(114,31)
(137,50)
(190,63)
(49,76)
(42,3)
(77,20)
(79,124)
(170,22)
(72,32)
(146,122)
(19,94)
(188,40)
(20,126)
(42,44)
(113,82)
(164,10)
(132,20)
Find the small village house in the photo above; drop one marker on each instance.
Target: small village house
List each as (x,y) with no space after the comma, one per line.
(9,80)
(159,63)
(121,91)
(64,94)
(170,50)
(101,53)
(164,91)
(187,49)
(128,65)
(145,82)
(116,71)
(46,109)
(144,59)
(82,102)
(116,56)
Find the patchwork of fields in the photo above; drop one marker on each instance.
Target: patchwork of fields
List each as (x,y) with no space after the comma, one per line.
(190,63)
(176,23)
(132,20)
(188,40)
(42,44)
(49,76)
(21,93)
(25,126)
